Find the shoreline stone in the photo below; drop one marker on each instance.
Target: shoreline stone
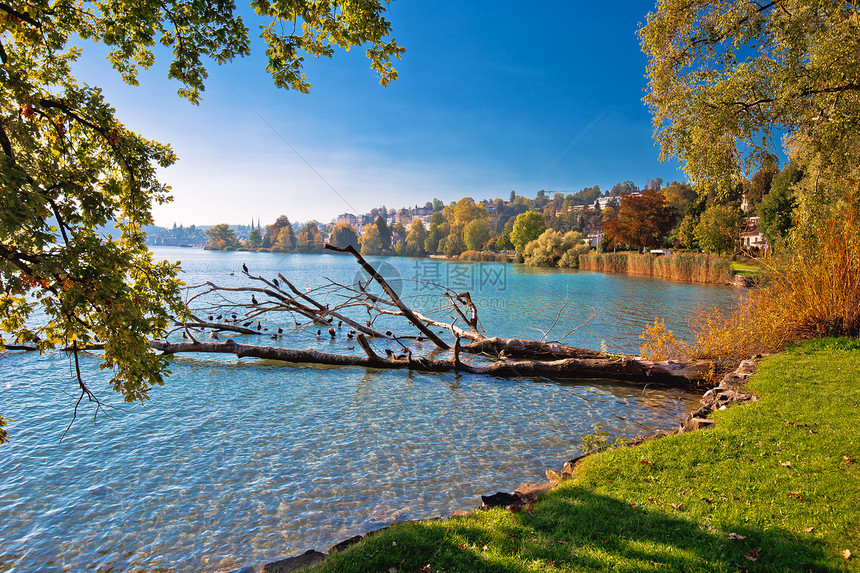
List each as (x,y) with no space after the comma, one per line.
(306,559)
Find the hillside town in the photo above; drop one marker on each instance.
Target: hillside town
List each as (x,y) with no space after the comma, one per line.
(626,217)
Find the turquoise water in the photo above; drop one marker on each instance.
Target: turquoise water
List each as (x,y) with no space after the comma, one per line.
(238,462)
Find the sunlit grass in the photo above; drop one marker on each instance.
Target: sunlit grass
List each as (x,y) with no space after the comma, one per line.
(746,269)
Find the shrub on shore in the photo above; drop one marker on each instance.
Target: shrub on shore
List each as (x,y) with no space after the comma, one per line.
(483,257)
(554,249)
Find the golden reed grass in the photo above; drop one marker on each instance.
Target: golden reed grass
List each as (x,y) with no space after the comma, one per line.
(687,267)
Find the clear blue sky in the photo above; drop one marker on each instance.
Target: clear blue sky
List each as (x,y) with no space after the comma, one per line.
(492,97)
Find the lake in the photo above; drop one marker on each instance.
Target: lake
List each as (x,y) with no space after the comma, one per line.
(237,462)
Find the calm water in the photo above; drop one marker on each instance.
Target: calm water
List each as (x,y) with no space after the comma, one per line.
(237,462)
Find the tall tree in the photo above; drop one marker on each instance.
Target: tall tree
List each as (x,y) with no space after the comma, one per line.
(719,229)
(371,241)
(415,239)
(679,196)
(286,241)
(527,227)
(309,238)
(641,220)
(343,235)
(458,215)
(476,234)
(728,79)
(398,233)
(273,231)
(438,231)
(776,210)
(760,183)
(384,232)
(255,239)
(69,166)
(222,236)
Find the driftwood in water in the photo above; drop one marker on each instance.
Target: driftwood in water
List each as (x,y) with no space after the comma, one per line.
(626,369)
(518,348)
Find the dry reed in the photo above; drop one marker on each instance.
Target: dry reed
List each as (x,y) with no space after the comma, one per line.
(687,267)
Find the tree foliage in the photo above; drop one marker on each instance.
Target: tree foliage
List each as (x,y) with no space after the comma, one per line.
(280,236)
(437,231)
(458,215)
(776,209)
(415,239)
(679,196)
(476,233)
(343,235)
(255,239)
(385,233)
(719,228)
(371,240)
(641,220)
(727,79)
(554,249)
(527,227)
(222,236)
(68,166)
(309,238)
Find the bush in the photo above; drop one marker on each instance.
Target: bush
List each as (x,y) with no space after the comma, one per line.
(554,249)
(660,343)
(811,291)
(483,257)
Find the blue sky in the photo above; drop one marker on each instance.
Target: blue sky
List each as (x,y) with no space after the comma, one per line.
(492,97)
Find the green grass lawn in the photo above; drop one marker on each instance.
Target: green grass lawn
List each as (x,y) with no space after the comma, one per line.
(746,269)
(774,487)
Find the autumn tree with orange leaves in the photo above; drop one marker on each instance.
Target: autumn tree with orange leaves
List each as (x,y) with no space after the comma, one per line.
(642,220)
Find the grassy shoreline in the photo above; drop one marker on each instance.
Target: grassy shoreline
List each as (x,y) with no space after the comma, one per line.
(774,487)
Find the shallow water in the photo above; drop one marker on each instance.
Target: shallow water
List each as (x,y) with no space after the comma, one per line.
(236,462)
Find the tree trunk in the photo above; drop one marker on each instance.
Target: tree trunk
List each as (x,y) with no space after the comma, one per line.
(518,348)
(624,369)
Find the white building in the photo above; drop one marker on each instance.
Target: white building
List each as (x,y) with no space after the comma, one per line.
(751,237)
(347,218)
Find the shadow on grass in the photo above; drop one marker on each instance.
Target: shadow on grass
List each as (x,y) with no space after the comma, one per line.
(578,530)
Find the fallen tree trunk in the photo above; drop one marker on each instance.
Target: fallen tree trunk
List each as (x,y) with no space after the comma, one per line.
(624,369)
(505,357)
(517,348)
